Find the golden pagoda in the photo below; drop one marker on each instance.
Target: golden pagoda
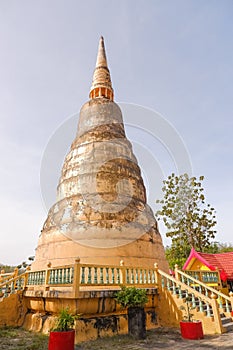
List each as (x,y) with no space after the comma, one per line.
(101,214)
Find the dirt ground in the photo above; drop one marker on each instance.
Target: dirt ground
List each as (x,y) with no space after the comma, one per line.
(160,338)
(19,339)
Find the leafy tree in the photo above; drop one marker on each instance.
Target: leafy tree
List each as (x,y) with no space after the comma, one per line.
(189,220)
(6,268)
(224,247)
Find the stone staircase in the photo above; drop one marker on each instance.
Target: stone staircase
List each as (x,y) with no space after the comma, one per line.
(207,304)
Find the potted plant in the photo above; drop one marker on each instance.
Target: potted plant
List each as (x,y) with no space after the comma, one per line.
(190,328)
(62,335)
(134,299)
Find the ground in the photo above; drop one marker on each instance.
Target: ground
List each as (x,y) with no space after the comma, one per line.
(161,338)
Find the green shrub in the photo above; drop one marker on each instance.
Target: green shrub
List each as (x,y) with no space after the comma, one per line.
(131,297)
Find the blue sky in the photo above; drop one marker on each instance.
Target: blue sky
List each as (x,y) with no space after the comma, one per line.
(174,57)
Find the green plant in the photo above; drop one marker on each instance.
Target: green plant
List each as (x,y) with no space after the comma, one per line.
(65,321)
(189,316)
(131,297)
(189,220)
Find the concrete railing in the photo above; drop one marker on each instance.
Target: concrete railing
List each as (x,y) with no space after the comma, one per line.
(71,279)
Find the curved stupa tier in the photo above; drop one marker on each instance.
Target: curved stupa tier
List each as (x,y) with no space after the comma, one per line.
(101,214)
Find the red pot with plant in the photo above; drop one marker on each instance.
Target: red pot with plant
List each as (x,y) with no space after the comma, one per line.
(190,329)
(62,336)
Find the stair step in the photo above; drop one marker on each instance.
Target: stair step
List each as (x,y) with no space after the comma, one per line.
(228,327)
(226,320)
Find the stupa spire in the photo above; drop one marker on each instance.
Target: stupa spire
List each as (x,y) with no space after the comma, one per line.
(101,83)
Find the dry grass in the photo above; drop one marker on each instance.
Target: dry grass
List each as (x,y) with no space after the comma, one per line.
(19,339)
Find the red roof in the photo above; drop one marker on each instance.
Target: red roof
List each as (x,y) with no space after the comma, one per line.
(222,261)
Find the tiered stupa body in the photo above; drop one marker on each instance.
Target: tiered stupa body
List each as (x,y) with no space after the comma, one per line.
(101,214)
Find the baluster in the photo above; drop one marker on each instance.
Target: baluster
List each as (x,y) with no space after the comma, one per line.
(180,292)
(215,277)
(153,277)
(113,275)
(186,294)
(12,287)
(199,289)
(182,279)
(140,277)
(64,276)
(68,278)
(174,287)
(60,276)
(107,275)
(220,302)
(118,276)
(168,284)
(145,279)
(19,284)
(149,278)
(193,300)
(52,277)
(56,276)
(132,276)
(200,305)
(42,277)
(6,291)
(37,278)
(83,275)
(206,292)
(127,276)
(208,309)
(162,282)
(188,282)
(102,276)
(71,275)
(136,271)
(95,275)
(227,306)
(89,275)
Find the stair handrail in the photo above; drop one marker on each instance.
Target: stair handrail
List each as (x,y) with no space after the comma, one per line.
(212,290)
(211,301)
(13,280)
(185,286)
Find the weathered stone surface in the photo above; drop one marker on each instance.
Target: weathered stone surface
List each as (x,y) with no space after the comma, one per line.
(101,214)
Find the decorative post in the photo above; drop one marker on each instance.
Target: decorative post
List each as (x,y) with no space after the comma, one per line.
(76,282)
(123,272)
(157,275)
(216,313)
(231,300)
(47,276)
(219,279)
(177,276)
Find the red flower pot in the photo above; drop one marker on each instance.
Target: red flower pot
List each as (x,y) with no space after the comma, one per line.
(191,330)
(61,340)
